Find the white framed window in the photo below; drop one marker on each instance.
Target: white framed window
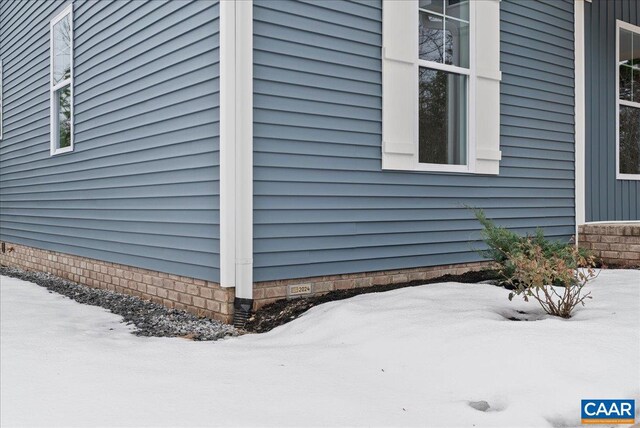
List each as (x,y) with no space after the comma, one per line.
(627,101)
(1,103)
(444,73)
(61,83)
(441,86)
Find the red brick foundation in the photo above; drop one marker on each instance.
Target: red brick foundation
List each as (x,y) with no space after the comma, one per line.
(614,243)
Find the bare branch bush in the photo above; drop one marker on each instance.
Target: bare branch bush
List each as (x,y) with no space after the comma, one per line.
(554,282)
(551,272)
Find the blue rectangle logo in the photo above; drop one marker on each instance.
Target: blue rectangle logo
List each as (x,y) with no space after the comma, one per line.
(596,411)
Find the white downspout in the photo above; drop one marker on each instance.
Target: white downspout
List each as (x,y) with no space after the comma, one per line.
(580,122)
(236,151)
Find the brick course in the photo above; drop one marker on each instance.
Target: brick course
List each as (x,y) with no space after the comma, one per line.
(203,298)
(271,291)
(616,244)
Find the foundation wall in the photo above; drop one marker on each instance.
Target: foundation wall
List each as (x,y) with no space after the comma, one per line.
(614,243)
(270,291)
(202,298)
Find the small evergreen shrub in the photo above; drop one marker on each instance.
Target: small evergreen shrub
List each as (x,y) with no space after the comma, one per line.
(500,241)
(551,272)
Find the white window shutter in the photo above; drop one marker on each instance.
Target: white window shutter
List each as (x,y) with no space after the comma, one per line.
(487,87)
(399,84)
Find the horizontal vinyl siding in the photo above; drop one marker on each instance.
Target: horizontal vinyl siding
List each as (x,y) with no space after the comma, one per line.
(142,186)
(322,204)
(606,197)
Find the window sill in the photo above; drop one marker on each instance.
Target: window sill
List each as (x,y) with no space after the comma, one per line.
(61,151)
(627,176)
(436,169)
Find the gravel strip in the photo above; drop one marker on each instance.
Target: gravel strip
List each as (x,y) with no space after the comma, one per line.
(150,319)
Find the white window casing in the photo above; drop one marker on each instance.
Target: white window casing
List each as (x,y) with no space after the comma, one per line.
(621,25)
(61,84)
(400,63)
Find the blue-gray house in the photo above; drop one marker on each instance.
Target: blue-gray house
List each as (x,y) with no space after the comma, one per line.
(201,153)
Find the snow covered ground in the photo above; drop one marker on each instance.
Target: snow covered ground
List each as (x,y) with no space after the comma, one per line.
(414,356)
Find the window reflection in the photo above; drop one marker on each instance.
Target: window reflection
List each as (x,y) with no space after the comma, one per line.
(62,50)
(457,43)
(431,42)
(444,56)
(629,140)
(63,105)
(628,102)
(442,110)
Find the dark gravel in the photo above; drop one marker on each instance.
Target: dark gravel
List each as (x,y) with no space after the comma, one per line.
(150,319)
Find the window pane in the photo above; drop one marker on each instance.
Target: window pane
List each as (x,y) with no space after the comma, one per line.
(629,140)
(626,38)
(62,50)
(432,5)
(458,9)
(457,43)
(443,117)
(63,109)
(635,54)
(636,84)
(625,83)
(431,37)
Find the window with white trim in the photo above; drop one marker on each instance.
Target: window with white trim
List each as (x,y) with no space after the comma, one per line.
(61,70)
(443,48)
(628,102)
(441,86)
